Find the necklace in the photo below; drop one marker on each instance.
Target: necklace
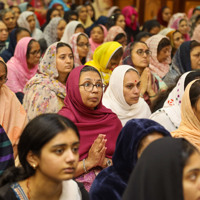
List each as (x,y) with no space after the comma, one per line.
(28,189)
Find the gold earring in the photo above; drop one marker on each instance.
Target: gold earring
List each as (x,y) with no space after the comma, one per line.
(34,166)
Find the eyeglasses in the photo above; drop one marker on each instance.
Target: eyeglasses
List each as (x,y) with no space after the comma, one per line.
(89,86)
(35,52)
(3,79)
(82,45)
(141,52)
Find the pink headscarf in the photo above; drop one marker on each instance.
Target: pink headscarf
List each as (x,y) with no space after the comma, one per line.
(128,11)
(196,33)
(161,69)
(90,123)
(18,72)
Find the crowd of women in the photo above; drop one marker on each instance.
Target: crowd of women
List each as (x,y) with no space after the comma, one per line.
(94,105)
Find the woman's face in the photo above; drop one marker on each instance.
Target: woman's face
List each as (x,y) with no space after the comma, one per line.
(83,46)
(178,39)
(60,9)
(191,178)
(195,58)
(62,149)
(166,14)
(34,55)
(79,30)
(90,99)
(83,14)
(90,11)
(64,60)
(16,10)
(183,27)
(148,140)
(31,21)
(3,74)
(9,20)
(138,55)
(113,63)
(55,13)
(60,29)
(97,35)
(196,109)
(3,32)
(155,30)
(131,87)
(22,34)
(164,54)
(122,41)
(121,21)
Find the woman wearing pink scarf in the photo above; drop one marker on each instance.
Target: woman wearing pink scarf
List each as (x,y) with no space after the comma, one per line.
(24,64)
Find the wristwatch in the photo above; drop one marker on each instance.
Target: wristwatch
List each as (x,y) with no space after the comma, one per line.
(108,162)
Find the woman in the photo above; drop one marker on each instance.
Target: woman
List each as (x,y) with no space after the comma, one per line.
(3,37)
(190,120)
(53,32)
(125,101)
(98,126)
(16,10)
(81,48)
(24,64)
(151,26)
(90,11)
(45,92)
(164,15)
(166,173)
(27,19)
(48,161)
(97,35)
(12,115)
(14,37)
(131,19)
(70,29)
(134,137)
(70,15)
(105,58)
(117,34)
(169,115)
(116,19)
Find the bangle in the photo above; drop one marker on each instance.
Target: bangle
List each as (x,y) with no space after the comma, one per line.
(153,96)
(84,167)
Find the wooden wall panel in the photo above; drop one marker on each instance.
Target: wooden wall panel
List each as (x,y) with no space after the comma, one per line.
(151,9)
(191,4)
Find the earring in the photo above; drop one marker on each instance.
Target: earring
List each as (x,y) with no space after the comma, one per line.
(34,166)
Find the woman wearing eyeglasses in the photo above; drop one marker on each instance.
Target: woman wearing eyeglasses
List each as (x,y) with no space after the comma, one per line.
(81,48)
(24,64)
(98,126)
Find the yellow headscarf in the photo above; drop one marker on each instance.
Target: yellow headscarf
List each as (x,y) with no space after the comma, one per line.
(101,57)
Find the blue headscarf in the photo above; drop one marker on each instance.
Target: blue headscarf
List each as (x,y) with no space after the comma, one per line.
(59,2)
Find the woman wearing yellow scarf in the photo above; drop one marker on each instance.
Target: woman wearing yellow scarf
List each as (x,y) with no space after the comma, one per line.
(106,57)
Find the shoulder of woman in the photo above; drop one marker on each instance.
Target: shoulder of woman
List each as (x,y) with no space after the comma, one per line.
(6,193)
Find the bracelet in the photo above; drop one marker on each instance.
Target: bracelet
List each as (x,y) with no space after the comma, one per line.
(153,96)
(84,166)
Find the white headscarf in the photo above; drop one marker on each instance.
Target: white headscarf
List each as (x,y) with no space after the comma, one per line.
(114,99)
(69,31)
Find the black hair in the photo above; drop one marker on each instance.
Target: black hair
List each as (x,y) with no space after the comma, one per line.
(4,64)
(134,43)
(48,15)
(183,19)
(150,24)
(29,6)
(3,12)
(95,26)
(43,45)
(194,44)
(88,68)
(29,47)
(195,10)
(19,30)
(195,74)
(38,132)
(112,20)
(68,14)
(2,5)
(141,35)
(163,43)
(197,19)
(194,92)
(78,38)
(80,26)
(89,4)
(15,7)
(119,36)
(118,54)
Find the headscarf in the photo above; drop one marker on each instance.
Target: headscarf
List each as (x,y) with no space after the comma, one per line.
(113,32)
(44,93)
(111,10)
(61,2)
(18,72)
(12,115)
(196,33)
(112,181)
(174,20)
(90,123)
(181,59)
(160,17)
(190,125)
(161,69)
(73,43)
(114,98)
(166,31)
(101,57)
(69,31)
(158,173)
(128,11)
(22,22)
(50,31)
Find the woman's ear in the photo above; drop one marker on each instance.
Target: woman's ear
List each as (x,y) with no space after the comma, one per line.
(32,159)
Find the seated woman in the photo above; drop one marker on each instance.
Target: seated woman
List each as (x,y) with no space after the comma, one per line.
(14,37)
(151,26)
(106,57)
(190,118)
(81,48)
(27,19)
(117,34)
(12,114)
(24,64)
(3,37)
(134,137)
(98,126)
(53,32)
(125,101)
(116,19)
(165,173)
(48,162)
(163,16)
(169,115)
(45,92)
